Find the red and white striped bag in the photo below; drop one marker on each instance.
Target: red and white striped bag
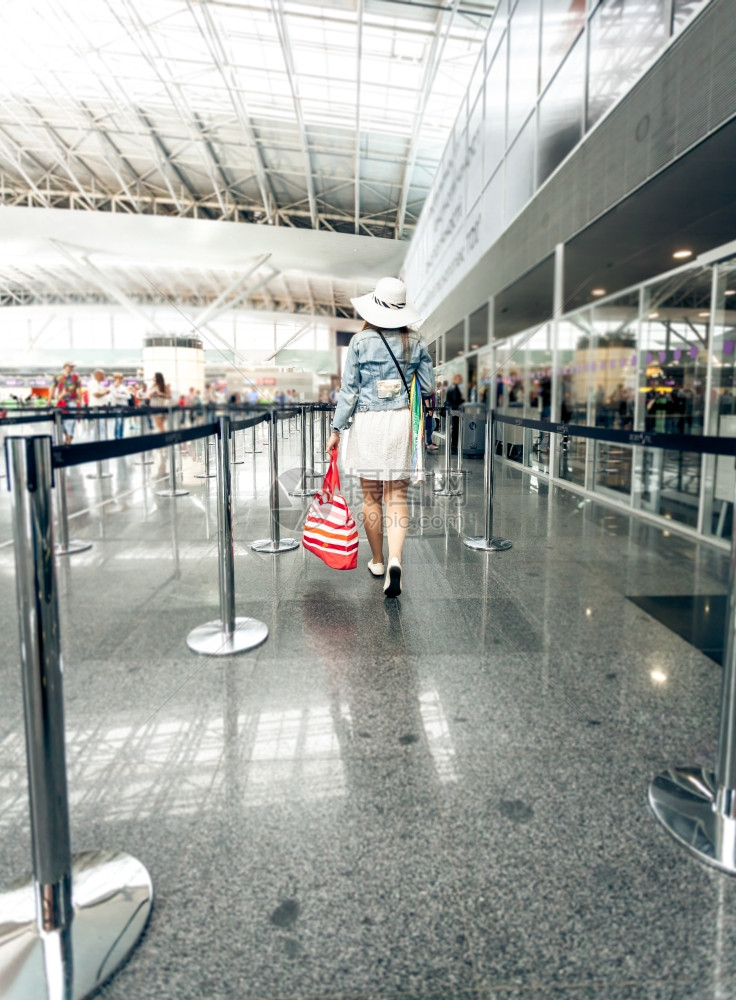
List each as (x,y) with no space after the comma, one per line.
(330,531)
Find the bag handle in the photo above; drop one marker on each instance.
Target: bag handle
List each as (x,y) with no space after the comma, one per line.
(332,476)
(393,358)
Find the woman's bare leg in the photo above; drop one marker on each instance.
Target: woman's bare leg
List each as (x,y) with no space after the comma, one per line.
(397,515)
(373,516)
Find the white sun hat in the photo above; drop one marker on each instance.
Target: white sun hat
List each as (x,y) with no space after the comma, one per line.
(386,305)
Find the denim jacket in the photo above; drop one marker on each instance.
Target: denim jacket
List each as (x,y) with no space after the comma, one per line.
(368,362)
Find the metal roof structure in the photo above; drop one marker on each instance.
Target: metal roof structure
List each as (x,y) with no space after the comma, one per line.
(327,115)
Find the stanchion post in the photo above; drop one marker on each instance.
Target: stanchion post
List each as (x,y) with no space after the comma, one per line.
(447,489)
(302,490)
(312,473)
(74,941)
(144,458)
(275,543)
(65,546)
(695,805)
(234,460)
(488,542)
(172,490)
(207,474)
(99,474)
(227,634)
(460,472)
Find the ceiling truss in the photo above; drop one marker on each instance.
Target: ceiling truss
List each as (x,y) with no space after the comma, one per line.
(336,119)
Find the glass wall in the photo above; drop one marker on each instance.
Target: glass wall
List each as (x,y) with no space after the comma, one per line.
(550,70)
(613,370)
(721,406)
(659,358)
(624,38)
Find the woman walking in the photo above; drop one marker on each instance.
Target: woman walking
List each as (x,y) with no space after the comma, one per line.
(159,395)
(374,394)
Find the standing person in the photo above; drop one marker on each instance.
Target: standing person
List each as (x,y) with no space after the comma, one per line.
(68,394)
(429,408)
(143,400)
(98,395)
(159,395)
(119,396)
(455,400)
(380,446)
(97,391)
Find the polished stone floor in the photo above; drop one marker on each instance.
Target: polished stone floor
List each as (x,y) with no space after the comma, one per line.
(442,796)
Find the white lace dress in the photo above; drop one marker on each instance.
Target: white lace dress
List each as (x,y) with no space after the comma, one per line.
(378,445)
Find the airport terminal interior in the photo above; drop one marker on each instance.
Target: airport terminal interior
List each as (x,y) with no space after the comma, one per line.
(516,779)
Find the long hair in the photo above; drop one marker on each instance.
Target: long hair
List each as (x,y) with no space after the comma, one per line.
(402,331)
(159,380)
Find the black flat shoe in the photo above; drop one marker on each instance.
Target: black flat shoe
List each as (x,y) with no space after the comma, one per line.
(392,584)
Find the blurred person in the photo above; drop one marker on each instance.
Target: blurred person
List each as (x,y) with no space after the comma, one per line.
(68,394)
(429,422)
(119,396)
(379,448)
(98,395)
(455,400)
(159,394)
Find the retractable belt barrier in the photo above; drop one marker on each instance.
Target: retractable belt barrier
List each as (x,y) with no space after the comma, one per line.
(80,916)
(78,454)
(275,543)
(34,418)
(66,930)
(695,805)
(447,489)
(701,444)
(227,634)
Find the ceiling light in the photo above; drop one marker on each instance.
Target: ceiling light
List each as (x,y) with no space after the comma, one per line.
(704,315)
(682,254)
(658,676)
(474,347)
(598,292)
(730,291)
(653,315)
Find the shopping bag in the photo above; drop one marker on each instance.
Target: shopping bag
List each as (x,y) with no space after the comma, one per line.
(417,431)
(330,531)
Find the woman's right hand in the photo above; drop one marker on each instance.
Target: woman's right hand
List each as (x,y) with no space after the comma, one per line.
(333,441)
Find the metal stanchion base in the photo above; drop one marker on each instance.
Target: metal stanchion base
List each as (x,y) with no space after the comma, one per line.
(237,461)
(488,544)
(306,491)
(205,475)
(112,896)
(683,799)
(102,475)
(267,545)
(72,547)
(144,461)
(172,493)
(446,491)
(212,640)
